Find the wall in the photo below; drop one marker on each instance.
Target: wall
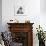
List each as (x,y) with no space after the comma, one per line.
(43,6)
(0,15)
(43,14)
(32,12)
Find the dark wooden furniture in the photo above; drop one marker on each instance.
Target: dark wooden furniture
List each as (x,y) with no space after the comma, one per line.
(22,33)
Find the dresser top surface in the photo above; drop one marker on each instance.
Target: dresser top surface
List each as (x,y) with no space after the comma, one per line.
(19,23)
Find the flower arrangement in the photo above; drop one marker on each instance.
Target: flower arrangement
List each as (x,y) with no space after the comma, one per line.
(40,34)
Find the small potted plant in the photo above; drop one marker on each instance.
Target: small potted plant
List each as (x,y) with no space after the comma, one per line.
(41,36)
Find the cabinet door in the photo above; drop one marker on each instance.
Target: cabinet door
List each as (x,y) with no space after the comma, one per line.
(20,37)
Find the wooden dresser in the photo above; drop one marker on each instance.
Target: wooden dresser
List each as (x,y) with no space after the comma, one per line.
(22,33)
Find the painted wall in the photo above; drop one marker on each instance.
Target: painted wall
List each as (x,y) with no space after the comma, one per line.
(32,12)
(43,6)
(0,15)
